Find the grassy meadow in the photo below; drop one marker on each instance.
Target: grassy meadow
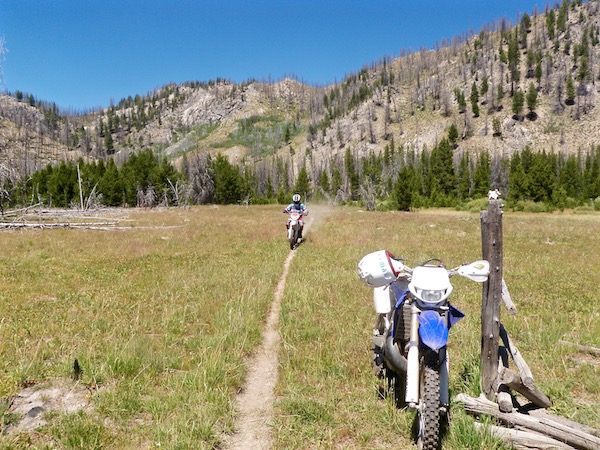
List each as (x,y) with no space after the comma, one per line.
(327,392)
(161,318)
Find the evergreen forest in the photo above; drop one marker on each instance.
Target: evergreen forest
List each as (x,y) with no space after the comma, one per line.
(396,179)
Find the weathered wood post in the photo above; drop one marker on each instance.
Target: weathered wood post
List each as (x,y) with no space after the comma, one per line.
(491,242)
(497,379)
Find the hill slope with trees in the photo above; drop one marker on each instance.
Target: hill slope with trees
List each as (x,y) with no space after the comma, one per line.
(512,107)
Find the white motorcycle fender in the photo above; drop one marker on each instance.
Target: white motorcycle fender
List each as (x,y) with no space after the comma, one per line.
(290,230)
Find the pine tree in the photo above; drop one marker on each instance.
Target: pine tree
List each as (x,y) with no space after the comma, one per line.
(336,181)
(351,175)
(110,185)
(524,29)
(518,181)
(61,184)
(502,54)
(583,73)
(460,99)
(500,94)
(227,181)
(269,189)
(591,188)
(302,185)
(517,104)
(513,60)
(542,176)
(484,86)
(570,91)
(453,135)
(563,16)
(538,72)
(324,182)
(551,23)
(108,143)
(463,184)
(482,175)
(569,178)
(532,100)
(443,176)
(405,188)
(497,126)
(475,100)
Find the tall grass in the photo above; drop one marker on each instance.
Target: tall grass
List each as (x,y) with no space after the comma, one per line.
(328,394)
(160,320)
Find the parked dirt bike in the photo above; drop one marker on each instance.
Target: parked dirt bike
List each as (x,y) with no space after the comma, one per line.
(294,229)
(414,317)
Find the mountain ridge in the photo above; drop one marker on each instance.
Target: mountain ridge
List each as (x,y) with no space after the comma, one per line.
(410,101)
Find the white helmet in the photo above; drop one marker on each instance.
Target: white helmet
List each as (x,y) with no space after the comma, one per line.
(379,269)
(296,198)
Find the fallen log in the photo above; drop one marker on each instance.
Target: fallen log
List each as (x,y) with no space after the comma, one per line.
(54,224)
(16,212)
(582,348)
(524,370)
(510,379)
(543,414)
(568,435)
(503,395)
(524,440)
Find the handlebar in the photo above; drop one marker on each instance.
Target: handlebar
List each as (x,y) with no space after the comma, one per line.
(477,271)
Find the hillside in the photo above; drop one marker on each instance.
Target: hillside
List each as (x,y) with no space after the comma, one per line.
(408,102)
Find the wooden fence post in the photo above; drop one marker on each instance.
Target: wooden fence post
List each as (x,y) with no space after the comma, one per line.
(491,242)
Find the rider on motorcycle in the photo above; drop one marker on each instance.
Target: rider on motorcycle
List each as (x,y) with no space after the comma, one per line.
(296,206)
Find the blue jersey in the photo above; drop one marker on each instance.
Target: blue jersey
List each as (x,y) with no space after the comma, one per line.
(292,207)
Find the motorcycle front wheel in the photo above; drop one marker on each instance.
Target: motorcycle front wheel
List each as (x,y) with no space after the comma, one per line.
(294,238)
(428,416)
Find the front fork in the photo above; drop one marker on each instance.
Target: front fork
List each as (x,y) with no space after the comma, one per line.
(413,367)
(412,371)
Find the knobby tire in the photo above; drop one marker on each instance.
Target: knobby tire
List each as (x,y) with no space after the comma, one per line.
(429,415)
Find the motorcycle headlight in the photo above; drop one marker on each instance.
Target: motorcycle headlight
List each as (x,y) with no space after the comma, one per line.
(431,296)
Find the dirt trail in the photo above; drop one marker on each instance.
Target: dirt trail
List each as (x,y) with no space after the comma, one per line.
(255,401)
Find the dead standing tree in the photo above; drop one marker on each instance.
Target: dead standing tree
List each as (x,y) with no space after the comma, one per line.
(528,426)
(491,239)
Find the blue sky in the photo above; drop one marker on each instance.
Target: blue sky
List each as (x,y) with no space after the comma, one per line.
(83,53)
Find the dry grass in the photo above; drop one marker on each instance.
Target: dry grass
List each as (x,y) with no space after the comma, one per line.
(328,393)
(162,319)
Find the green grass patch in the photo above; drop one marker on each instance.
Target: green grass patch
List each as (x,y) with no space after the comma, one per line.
(263,135)
(186,139)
